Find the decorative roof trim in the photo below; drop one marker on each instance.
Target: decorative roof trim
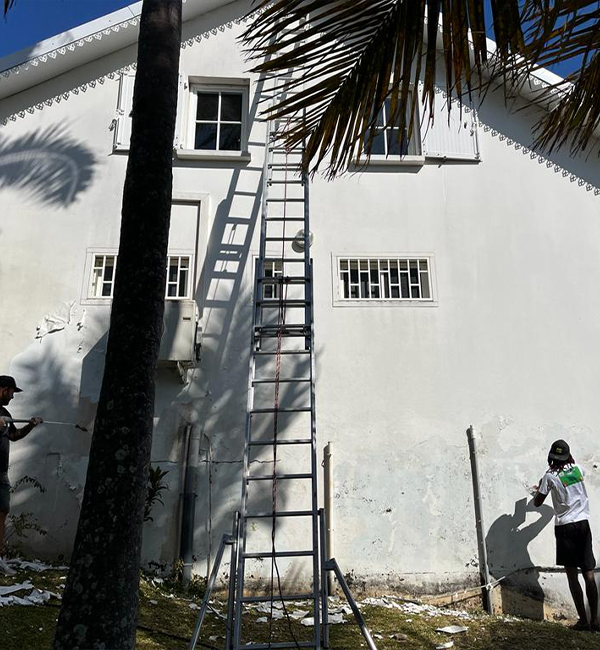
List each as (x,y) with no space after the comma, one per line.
(71,47)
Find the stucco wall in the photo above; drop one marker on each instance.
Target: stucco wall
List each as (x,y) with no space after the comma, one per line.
(508,346)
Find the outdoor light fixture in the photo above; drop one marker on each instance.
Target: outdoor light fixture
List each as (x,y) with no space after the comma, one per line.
(298,243)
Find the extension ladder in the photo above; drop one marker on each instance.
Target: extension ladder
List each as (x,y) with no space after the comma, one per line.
(280,424)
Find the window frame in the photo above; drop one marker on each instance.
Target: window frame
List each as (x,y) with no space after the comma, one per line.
(339,301)
(215,85)
(412,159)
(92,253)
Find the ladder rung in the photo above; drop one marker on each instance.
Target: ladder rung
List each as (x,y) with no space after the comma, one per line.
(294,279)
(286,181)
(281,239)
(300,409)
(271,442)
(282,352)
(279,597)
(285,260)
(274,302)
(283,326)
(280,477)
(286,200)
(290,219)
(283,513)
(289,380)
(276,646)
(256,556)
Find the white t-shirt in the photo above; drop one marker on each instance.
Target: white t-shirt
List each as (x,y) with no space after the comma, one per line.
(569,498)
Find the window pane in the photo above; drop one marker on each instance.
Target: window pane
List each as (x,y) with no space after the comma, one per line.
(344,265)
(345,286)
(397,147)
(379,144)
(173,271)
(208,106)
(395,292)
(106,287)
(425,285)
(404,284)
(394,272)
(172,290)
(354,291)
(231,137)
(183,283)
(231,107)
(414,274)
(206,137)
(108,270)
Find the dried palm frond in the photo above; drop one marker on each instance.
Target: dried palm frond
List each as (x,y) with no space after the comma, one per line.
(349,56)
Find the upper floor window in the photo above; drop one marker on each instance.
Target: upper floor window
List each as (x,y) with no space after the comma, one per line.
(385,279)
(272,269)
(391,140)
(218,116)
(103,276)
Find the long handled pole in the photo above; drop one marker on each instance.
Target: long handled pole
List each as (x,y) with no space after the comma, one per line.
(66,424)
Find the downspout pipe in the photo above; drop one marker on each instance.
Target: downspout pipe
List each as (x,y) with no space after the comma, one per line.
(189,504)
(484,572)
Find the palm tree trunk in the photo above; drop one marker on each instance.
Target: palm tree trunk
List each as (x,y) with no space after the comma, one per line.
(100,602)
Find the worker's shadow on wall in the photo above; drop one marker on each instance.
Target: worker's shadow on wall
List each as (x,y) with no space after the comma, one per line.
(508,557)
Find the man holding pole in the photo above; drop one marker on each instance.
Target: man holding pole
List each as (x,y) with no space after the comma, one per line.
(8,433)
(564,479)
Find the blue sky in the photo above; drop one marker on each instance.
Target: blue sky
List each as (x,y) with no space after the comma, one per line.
(30,21)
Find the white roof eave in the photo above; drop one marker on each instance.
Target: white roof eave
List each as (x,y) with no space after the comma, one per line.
(97,38)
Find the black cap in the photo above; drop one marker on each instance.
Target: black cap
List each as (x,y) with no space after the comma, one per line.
(6,381)
(559,451)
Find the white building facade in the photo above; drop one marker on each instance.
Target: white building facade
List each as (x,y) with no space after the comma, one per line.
(454,285)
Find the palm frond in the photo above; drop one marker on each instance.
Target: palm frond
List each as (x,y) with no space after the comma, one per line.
(567,30)
(349,56)
(7,5)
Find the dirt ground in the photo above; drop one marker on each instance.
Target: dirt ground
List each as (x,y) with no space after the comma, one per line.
(167,618)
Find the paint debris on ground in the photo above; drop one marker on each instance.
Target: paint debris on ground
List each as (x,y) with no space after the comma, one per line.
(167,617)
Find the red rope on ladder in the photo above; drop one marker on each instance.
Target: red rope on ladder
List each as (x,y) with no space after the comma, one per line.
(281,315)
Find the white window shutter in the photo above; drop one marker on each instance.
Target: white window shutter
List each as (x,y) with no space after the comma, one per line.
(179,138)
(455,139)
(125,105)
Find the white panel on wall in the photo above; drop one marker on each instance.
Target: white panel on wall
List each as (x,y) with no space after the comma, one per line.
(184,223)
(123,130)
(455,138)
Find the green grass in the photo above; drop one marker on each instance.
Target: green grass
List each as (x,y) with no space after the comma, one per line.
(166,622)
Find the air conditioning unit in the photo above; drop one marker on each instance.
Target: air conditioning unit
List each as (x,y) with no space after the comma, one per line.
(180,325)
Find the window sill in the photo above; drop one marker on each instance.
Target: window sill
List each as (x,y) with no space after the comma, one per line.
(391,161)
(383,302)
(225,156)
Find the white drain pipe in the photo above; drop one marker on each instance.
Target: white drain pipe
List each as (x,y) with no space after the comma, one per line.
(328,492)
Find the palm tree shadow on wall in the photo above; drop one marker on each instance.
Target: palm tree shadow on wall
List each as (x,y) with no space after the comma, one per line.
(509,558)
(49,164)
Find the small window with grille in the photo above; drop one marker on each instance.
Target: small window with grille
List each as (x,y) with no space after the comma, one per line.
(103,276)
(103,269)
(390,278)
(178,274)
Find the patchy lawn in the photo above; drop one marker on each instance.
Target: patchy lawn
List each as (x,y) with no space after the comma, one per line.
(167,619)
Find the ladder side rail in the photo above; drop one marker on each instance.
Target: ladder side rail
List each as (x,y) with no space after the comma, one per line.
(232,580)
(332,565)
(225,540)
(314,465)
(324,586)
(245,471)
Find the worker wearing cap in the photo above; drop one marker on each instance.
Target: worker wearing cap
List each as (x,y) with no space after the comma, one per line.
(8,433)
(565,480)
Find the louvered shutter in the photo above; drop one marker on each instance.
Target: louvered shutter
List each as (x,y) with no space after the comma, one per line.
(124,107)
(454,139)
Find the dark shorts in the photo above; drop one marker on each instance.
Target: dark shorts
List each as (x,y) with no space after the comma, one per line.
(4,497)
(574,545)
